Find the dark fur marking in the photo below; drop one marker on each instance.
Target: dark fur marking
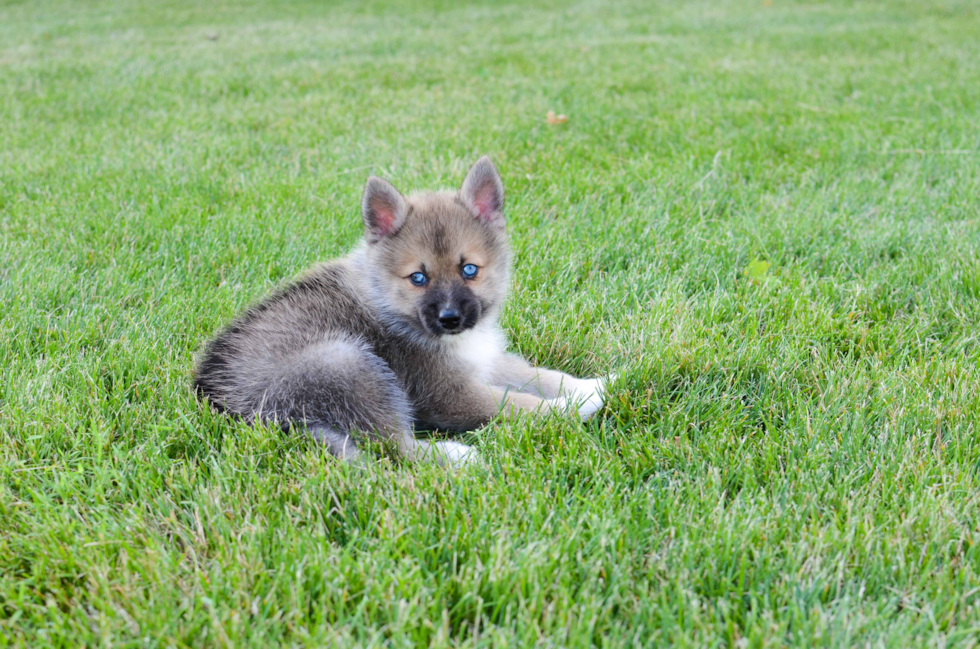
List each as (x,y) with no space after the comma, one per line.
(440,244)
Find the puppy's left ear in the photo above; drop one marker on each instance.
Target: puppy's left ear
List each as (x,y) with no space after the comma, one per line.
(383,209)
(483,193)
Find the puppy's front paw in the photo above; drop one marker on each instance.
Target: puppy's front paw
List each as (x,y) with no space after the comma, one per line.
(591,394)
(584,396)
(597,386)
(591,406)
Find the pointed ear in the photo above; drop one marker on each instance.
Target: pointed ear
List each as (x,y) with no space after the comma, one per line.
(483,192)
(382,208)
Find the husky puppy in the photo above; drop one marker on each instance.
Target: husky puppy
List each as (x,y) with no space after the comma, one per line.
(401,334)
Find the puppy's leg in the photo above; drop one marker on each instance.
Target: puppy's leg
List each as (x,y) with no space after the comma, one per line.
(468,406)
(516,373)
(446,453)
(340,390)
(588,395)
(343,392)
(510,402)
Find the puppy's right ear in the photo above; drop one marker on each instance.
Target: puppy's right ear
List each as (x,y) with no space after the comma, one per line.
(483,192)
(383,209)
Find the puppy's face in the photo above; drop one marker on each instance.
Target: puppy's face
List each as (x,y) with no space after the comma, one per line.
(440,260)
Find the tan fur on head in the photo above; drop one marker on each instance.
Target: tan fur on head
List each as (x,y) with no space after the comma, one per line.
(422,251)
(439,236)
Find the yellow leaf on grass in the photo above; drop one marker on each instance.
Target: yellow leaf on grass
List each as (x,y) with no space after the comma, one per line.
(551,118)
(757,269)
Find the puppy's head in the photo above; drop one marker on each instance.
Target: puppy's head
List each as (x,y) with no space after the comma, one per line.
(439,261)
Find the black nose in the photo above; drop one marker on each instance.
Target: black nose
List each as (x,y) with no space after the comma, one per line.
(450,319)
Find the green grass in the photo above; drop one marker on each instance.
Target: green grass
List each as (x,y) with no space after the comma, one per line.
(791,457)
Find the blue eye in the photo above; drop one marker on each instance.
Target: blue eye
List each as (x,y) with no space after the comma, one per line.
(469,271)
(419,279)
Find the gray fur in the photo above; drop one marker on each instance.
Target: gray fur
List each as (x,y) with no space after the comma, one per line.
(352,351)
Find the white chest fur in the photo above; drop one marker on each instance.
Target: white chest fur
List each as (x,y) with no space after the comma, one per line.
(479,348)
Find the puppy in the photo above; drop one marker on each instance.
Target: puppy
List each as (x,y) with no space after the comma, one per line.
(402,334)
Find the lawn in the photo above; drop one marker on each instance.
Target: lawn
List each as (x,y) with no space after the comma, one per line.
(764,215)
